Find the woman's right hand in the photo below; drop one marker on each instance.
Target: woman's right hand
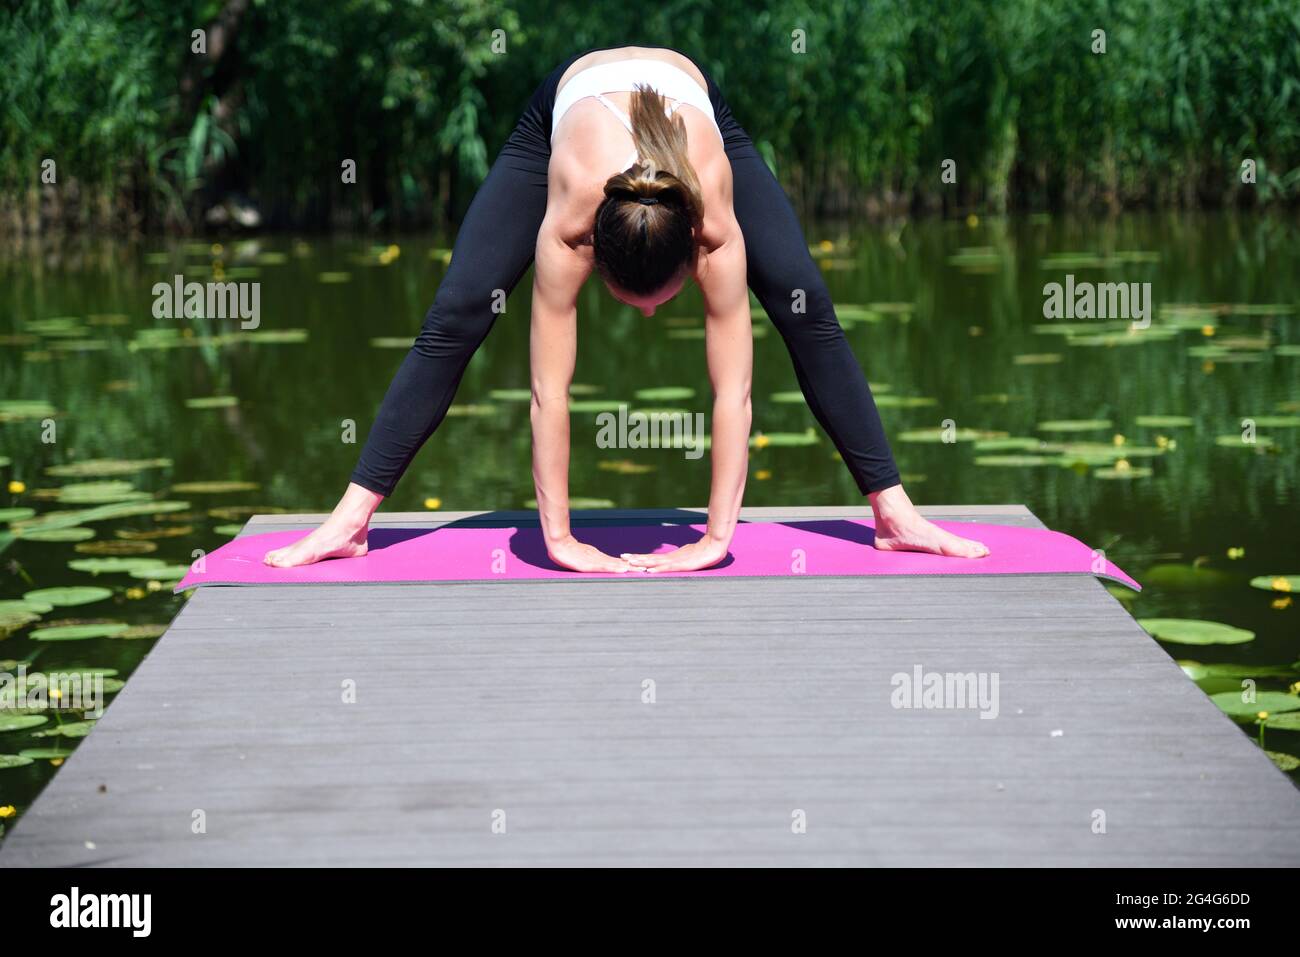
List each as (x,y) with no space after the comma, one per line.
(574,555)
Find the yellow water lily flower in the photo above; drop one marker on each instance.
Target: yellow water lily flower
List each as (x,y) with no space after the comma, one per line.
(389,254)
(56,694)
(1207,330)
(135,594)
(8,811)
(1236,552)
(1118,440)
(1281,584)
(1263,716)
(972,220)
(17,488)
(762,475)
(1281,603)
(761,441)
(433,503)
(57,762)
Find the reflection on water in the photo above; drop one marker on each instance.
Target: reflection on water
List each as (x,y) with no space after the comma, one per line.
(1130,441)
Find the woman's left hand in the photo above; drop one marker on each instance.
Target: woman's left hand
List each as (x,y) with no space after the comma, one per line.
(702,554)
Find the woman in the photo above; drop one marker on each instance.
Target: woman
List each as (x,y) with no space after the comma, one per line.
(599,175)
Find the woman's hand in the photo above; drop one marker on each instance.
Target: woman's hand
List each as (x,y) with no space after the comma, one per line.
(705,553)
(574,555)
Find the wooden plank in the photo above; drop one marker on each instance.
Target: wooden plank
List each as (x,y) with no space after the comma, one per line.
(772,696)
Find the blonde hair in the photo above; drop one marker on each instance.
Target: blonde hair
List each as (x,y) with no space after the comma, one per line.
(644,230)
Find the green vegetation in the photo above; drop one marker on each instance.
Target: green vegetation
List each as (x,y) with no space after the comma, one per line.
(146,133)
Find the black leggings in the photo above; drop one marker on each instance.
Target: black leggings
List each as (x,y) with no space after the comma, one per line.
(495,246)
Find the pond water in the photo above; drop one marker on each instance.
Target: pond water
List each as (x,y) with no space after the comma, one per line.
(1146,453)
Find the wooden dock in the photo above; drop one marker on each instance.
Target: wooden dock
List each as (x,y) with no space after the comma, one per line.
(521,704)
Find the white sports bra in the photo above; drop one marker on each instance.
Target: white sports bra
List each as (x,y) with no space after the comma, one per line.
(623,76)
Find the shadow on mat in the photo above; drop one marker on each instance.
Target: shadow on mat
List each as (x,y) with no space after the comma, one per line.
(838,528)
(528,545)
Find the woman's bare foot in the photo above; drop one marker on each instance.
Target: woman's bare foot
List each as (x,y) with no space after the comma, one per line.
(328,541)
(901,528)
(342,535)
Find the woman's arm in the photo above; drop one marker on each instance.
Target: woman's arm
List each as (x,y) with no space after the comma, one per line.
(561,269)
(729,347)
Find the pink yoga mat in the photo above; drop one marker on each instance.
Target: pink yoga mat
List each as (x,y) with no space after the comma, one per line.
(826,547)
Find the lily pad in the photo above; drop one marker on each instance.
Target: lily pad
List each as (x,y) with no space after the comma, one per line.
(1009,443)
(1271,701)
(576,503)
(1286,721)
(67,597)
(14,761)
(99,493)
(139,633)
(784,439)
(214,488)
(25,604)
(1285,762)
(20,722)
(15,410)
(161,572)
(1014,461)
(13,620)
(890,401)
(1192,631)
(232,529)
(594,405)
(1235,441)
(1074,425)
(1165,421)
(41,754)
(1186,576)
(1287,583)
(105,467)
(147,534)
(333,278)
(943,435)
(113,565)
(78,632)
(68,729)
(1197,671)
(16,514)
(1122,474)
(511,395)
(668,393)
(211,402)
(75,533)
(117,547)
(391,342)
